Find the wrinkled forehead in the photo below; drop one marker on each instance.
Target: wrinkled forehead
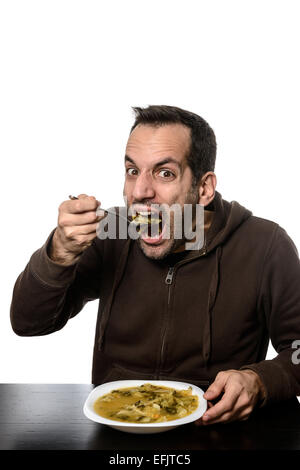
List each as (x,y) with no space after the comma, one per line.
(169,140)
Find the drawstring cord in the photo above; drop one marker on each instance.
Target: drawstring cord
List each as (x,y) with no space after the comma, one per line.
(106,311)
(212,294)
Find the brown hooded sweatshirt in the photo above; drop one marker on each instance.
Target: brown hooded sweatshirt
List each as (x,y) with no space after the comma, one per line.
(183,318)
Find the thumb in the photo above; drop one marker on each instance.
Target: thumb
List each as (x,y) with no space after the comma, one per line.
(217,387)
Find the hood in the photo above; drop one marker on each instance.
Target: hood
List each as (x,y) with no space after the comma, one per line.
(228,216)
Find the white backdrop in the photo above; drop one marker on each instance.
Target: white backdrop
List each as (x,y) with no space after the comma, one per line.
(70,72)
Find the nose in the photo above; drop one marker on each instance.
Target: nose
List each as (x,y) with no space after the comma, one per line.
(143,188)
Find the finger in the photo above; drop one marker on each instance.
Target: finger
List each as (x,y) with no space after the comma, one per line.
(226,404)
(225,418)
(216,388)
(199,422)
(70,220)
(75,233)
(78,206)
(101,212)
(238,413)
(83,196)
(87,229)
(92,228)
(81,230)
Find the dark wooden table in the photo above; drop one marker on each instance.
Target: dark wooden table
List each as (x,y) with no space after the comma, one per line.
(50,417)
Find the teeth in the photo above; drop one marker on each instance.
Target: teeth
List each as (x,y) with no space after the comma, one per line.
(145,212)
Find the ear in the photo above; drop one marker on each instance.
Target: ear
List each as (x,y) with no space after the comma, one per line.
(207,188)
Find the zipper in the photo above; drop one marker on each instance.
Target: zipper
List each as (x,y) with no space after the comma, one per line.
(169,277)
(169,281)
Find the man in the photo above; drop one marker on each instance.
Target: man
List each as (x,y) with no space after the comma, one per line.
(203,316)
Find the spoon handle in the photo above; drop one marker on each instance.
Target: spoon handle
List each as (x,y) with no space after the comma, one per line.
(104,210)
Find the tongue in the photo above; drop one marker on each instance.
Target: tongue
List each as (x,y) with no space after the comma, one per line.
(155,238)
(151,240)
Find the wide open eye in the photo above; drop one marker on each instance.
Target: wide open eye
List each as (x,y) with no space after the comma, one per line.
(131,171)
(166,174)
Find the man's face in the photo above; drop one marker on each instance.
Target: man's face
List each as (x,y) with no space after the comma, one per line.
(157,173)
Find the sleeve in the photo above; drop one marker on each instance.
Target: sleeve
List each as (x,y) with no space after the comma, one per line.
(47,294)
(279,300)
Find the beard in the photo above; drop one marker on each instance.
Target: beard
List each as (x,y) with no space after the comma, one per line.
(159,253)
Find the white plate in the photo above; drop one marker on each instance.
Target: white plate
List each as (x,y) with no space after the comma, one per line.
(142,428)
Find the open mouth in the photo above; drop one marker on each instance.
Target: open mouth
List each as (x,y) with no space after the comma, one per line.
(149,224)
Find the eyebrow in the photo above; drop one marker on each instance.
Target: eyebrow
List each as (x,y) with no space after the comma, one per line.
(158,164)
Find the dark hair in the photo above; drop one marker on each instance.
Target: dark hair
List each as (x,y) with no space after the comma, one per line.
(202,153)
